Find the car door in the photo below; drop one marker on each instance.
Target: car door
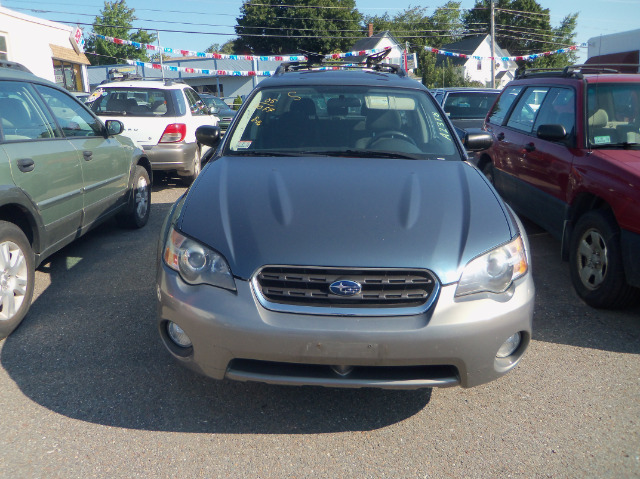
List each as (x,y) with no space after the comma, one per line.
(106,163)
(546,164)
(44,164)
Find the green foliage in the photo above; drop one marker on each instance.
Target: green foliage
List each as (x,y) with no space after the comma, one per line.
(526,33)
(228,48)
(259,22)
(237,103)
(445,75)
(115,20)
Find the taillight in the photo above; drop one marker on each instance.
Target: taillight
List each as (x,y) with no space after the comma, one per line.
(173,133)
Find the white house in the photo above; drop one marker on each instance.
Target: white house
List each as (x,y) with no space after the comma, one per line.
(48,49)
(380,41)
(480,70)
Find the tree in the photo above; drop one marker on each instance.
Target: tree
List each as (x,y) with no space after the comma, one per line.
(115,20)
(523,27)
(228,48)
(292,26)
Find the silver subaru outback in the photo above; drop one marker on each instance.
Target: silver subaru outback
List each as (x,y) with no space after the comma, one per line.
(337,237)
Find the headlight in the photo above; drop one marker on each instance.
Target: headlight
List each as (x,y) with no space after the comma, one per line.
(494,271)
(196,263)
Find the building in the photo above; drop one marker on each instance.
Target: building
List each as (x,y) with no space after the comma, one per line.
(380,41)
(479,69)
(48,49)
(617,49)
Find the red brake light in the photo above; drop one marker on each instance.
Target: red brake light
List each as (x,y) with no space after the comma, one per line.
(174,133)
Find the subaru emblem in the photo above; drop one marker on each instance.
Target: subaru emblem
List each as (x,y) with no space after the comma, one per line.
(345,288)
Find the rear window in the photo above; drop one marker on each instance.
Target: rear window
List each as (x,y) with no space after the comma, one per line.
(130,102)
(469,105)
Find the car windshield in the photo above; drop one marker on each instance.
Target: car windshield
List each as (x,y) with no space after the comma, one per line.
(613,115)
(214,102)
(129,101)
(469,105)
(340,120)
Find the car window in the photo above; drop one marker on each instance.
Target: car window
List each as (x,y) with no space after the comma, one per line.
(469,105)
(613,113)
(338,118)
(22,114)
(501,108)
(524,114)
(126,101)
(73,119)
(196,105)
(558,108)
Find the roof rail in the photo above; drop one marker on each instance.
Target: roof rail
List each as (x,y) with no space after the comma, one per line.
(576,71)
(14,66)
(316,61)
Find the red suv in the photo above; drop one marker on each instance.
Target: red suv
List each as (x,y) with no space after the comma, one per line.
(566,154)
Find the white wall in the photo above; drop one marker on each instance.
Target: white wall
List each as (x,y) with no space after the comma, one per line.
(614,43)
(28,40)
(484,74)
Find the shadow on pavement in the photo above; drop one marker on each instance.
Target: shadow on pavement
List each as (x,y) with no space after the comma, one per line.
(562,317)
(89,349)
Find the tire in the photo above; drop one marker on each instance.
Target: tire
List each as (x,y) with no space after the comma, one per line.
(17,277)
(137,212)
(596,266)
(487,170)
(197,167)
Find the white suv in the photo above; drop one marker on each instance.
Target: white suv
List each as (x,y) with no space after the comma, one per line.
(161,116)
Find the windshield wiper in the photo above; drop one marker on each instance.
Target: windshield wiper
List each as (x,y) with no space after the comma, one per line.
(626,145)
(365,154)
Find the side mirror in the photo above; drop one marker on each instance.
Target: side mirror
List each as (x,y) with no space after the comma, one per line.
(477,140)
(114,127)
(208,135)
(551,132)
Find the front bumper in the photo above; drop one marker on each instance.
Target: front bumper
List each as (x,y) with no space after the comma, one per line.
(171,156)
(453,343)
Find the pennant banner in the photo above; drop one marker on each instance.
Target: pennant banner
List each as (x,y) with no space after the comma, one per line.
(297,58)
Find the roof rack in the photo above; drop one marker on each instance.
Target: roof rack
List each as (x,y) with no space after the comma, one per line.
(316,61)
(14,66)
(575,71)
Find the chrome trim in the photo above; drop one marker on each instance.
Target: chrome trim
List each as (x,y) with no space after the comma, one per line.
(338,311)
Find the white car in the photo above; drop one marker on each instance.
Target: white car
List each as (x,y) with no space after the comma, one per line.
(161,116)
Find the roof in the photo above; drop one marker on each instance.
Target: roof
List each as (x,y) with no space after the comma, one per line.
(369,43)
(467,46)
(343,77)
(68,54)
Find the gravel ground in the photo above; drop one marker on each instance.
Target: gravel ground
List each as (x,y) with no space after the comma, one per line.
(87,390)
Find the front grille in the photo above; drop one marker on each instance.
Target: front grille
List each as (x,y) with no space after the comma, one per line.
(381,288)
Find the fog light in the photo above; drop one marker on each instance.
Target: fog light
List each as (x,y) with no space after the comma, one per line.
(509,346)
(177,335)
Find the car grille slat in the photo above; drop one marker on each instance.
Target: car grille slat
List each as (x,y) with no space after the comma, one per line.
(307,286)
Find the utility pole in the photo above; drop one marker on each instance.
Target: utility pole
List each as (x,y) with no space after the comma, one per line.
(160,50)
(493,45)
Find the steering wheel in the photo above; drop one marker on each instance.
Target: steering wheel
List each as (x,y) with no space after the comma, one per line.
(393,134)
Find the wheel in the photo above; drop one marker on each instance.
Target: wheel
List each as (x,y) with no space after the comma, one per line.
(487,170)
(137,212)
(393,134)
(595,259)
(17,276)
(197,167)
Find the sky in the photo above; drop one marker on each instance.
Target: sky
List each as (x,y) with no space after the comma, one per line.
(214,19)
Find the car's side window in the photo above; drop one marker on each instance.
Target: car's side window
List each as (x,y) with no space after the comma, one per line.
(196,105)
(22,114)
(501,108)
(72,117)
(525,112)
(558,109)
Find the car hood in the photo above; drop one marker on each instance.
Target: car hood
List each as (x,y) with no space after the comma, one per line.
(629,160)
(345,212)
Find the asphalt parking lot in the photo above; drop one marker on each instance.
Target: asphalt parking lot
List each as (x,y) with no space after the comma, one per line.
(87,390)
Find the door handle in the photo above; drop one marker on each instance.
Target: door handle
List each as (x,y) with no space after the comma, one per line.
(26,165)
(530,147)
(500,136)
(87,154)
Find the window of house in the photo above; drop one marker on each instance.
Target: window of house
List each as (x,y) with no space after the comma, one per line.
(479,65)
(3,47)
(68,75)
